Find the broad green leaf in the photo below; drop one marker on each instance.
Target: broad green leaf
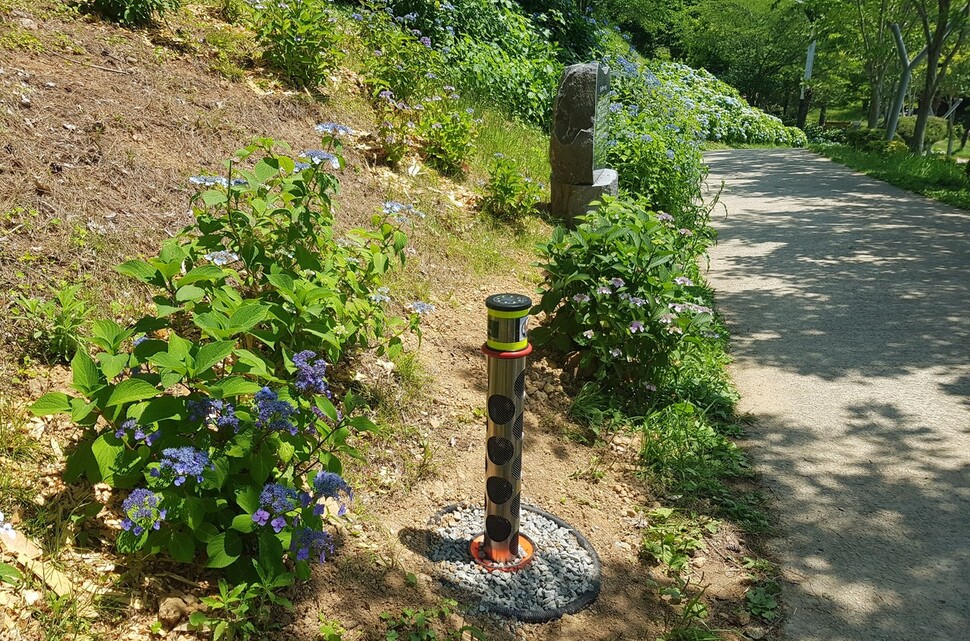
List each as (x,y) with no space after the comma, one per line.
(133,389)
(213,197)
(82,412)
(199,274)
(182,547)
(128,543)
(223,549)
(162,408)
(234,386)
(106,458)
(189,293)
(243,523)
(137,269)
(247,316)
(10,574)
(87,378)
(212,353)
(262,464)
(248,498)
(286,452)
(194,512)
(111,366)
(51,403)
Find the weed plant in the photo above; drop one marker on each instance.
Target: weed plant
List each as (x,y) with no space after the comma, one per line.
(931,175)
(300,39)
(508,195)
(55,325)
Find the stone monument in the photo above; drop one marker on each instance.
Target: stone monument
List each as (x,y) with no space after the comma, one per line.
(577,146)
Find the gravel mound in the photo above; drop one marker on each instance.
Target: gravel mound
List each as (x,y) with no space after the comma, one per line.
(564,575)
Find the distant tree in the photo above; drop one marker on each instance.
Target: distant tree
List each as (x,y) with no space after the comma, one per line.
(944,26)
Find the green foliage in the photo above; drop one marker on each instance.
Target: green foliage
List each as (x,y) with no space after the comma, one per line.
(135,12)
(930,175)
(761,600)
(227,378)
(620,289)
(244,610)
(419,625)
(936,130)
(671,539)
(818,135)
(508,195)
(55,325)
(300,39)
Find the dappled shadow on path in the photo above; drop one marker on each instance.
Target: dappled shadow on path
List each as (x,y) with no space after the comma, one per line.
(875,546)
(851,276)
(848,301)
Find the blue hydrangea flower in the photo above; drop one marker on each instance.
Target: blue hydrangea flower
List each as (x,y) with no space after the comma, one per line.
(636,326)
(665,217)
(333,129)
(603,289)
(331,485)
(421,308)
(220,413)
(581,298)
(318,156)
(6,529)
(209,181)
(142,511)
(183,462)
(426,41)
(274,413)
(136,431)
(221,258)
(310,376)
(308,543)
(275,501)
(617,282)
(683,280)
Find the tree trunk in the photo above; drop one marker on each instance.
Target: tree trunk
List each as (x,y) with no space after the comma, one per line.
(966,135)
(822,114)
(875,104)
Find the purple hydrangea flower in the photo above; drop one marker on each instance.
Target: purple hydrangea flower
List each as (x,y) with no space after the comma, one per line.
(665,217)
(278,498)
(261,517)
(310,376)
(273,413)
(220,413)
(603,289)
(142,511)
(333,129)
(617,282)
(137,432)
(426,41)
(581,298)
(636,326)
(421,308)
(184,462)
(331,485)
(683,280)
(307,542)
(686,232)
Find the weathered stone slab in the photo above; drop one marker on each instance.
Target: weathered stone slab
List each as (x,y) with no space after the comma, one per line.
(570,201)
(582,95)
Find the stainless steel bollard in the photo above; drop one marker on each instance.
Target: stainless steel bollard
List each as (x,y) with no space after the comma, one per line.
(506,348)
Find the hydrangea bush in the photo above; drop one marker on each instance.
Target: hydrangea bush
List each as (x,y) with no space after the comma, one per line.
(622,289)
(299,38)
(216,414)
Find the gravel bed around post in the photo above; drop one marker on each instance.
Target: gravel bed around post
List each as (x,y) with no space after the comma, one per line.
(564,575)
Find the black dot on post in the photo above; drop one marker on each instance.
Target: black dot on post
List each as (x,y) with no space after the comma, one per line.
(514,545)
(501,409)
(498,489)
(517,426)
(519,386)
(500,450)
(517,467)
(516,504)
(498,528)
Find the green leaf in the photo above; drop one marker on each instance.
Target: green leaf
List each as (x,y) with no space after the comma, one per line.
(243,523)
(212,353)
(189,293)
(234,386)
(82,412)
(199,274)
(262,464)
(182,547)
(194,509)
(223,549)
(113,365)
(138,269)
(197,618)
(87,378)
(248,498)
(327,407)
(213,197)
(247,317)
(162,408)
(133,389)
(106,458)
(286,452)
(51,403)
(128,543)
(10,574)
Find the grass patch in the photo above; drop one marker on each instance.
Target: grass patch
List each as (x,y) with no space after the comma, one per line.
(932,176)
(527,145)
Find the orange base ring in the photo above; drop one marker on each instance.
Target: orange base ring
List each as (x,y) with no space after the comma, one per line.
(477,549)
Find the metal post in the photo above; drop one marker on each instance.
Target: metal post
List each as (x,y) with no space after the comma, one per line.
(506,349)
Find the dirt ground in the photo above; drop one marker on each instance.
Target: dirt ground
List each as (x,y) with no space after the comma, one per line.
(98,134)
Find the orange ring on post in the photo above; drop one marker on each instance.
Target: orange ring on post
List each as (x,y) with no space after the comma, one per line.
(477,550)
(494,353)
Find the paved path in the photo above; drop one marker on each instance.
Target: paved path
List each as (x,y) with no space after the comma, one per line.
(849,301)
